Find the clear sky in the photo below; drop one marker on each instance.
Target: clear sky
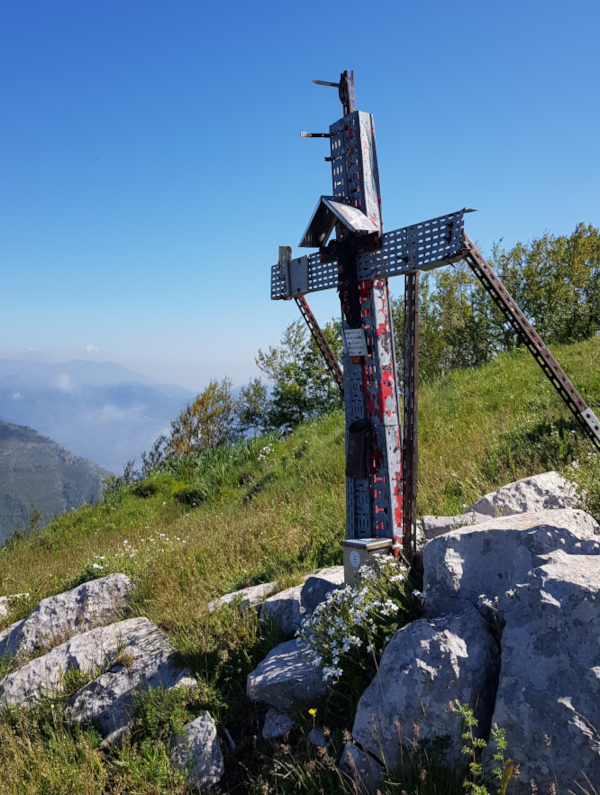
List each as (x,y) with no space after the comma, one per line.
(150,158)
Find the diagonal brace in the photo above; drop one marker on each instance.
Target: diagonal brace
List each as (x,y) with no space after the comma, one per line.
(586,418)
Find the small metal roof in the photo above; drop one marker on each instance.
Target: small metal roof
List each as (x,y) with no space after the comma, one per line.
(328,212)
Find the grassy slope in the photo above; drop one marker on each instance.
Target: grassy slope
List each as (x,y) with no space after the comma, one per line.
(244,516)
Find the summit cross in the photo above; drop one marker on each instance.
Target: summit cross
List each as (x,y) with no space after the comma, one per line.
(381,459)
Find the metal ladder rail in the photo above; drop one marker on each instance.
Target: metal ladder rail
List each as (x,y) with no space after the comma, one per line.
(319,338)
(586,418)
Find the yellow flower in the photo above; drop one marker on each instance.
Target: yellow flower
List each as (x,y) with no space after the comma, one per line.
(312,712)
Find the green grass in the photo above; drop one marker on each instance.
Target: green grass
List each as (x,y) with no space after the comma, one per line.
(241,516)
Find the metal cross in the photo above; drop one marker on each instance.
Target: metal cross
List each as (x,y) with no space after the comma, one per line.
(381,461)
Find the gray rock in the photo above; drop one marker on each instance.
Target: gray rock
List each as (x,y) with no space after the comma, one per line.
(134,650)
(277,724)
(321,583)
(434,526)
(6,602)
(58,618)
(493,557)
(252,596)
(284,610)
(199,751)
(283,678)
(365,774)
(426,665)
(548,699)
(144,662)
(548,491)
(317,738)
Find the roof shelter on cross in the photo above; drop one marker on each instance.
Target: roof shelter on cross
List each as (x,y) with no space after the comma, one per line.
(381,453)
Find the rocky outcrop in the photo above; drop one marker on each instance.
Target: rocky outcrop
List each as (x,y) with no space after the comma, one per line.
(120,659)
(283,678)
(145,659)
(548,699)
(427,665)
(199,752)
(492,558)
(548,491)
(60,617)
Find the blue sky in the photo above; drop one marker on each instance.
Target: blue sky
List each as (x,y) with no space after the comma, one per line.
(150,158)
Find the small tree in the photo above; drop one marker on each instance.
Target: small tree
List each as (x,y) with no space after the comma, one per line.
(252,407)
(303,387)
(210,421)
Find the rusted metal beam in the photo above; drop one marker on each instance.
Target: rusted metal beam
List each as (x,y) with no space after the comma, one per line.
(410,454)
(321,340)
(531,339)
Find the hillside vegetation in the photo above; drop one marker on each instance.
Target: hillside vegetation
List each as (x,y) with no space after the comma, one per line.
(265,509)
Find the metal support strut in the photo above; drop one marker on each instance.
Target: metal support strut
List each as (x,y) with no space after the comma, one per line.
(320,339)
(501,297)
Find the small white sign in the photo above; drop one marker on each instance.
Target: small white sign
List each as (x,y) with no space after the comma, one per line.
(354,559)
(356,343)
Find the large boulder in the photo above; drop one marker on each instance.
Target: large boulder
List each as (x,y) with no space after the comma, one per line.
(199,751)
(58,618)
(491,558)
(285,609)
(427,665)
(548,699)
(284,677)
(548,491)
(318,585)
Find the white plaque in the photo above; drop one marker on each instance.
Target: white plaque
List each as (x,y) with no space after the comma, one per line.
(356,344)
(354,559)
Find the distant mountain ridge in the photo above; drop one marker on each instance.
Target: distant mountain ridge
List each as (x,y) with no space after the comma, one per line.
(102,411)
(39,474)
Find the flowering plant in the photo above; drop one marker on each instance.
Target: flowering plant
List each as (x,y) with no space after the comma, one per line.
(351,628)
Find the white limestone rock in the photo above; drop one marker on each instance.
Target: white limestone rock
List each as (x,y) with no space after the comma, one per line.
(277,724)
(284,609)
(60,617)
(141,664)
(434,526)
(199,752)
(252,596)
(284,677)
(548,699)
(492,558)
(548,491)
(426,665)
(318,585)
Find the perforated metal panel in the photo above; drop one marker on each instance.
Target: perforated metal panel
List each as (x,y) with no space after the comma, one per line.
(418,247)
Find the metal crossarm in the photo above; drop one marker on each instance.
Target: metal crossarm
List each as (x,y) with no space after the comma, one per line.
(423,246)
(501,297)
